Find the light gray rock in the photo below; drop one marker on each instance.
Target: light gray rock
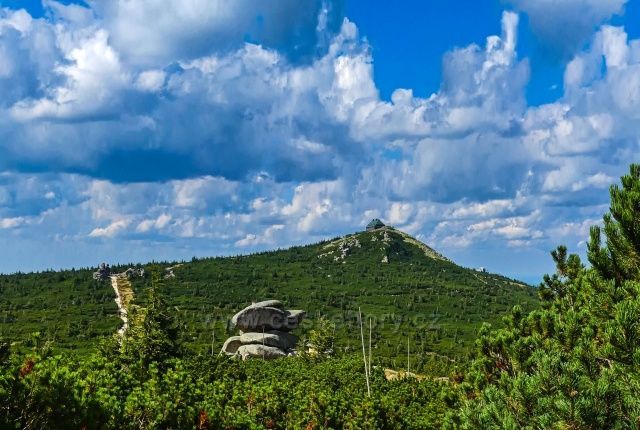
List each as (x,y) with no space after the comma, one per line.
(231,345)
(281,340)
(260,351)
(264,331)
(288,338)
(103,273)
(294,318)
(131,273)
(258,318)
(268,304)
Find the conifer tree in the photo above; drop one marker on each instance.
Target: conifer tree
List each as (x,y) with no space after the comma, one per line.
(620,259)
(154,335)
(574,363)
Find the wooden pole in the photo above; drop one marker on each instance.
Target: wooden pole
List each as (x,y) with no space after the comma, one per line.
(408,356)
(369,346)
(364,354)
(213,337)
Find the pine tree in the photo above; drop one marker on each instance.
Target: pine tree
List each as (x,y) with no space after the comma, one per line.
(575,362)
(154,335)
(620,259)
(321,339)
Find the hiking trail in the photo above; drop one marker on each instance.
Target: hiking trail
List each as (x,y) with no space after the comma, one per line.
(124,295)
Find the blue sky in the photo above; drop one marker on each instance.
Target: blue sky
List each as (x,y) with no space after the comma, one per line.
(164,129)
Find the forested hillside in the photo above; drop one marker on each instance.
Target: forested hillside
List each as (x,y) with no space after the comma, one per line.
(570,363)
(410,292)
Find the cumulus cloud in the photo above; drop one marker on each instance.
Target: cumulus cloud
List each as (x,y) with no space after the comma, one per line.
(110,230)
(151,80)
(153,31)
(229,113)
(564,25)
(259,129)
(475,120)
(27,54)
(268,237)
(93,78)
(6,223)
(587,138)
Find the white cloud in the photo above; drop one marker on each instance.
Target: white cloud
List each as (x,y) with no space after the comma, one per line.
(151,80)
(517,231)
(19,20)
(241,145)
(93,79)
(314,206)
(587,138)
(267,237)
(485,209)
(566,24)
(69,14)
(111,230)
(7,223)
(204,193)
(399,213)
(157,224)
(183,29)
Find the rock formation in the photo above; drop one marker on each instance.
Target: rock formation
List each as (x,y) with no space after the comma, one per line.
(169,273)
(133,273)
(264,331)
(103,273)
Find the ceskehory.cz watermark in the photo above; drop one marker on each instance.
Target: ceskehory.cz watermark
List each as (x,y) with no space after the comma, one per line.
(349,320)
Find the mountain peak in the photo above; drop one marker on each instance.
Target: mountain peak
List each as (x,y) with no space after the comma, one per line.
(385,242)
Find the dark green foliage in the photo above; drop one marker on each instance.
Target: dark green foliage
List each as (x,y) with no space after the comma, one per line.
(322,338)
(68,308)
(145,380)
(214,393)
(571,363)
(438,304)
(154,336)
(5,349)
(575,363)
(620,259)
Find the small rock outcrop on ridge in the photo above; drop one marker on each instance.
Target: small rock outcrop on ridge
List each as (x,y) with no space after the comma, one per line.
(264,331)
(103,273)
(133,273)
(169,273)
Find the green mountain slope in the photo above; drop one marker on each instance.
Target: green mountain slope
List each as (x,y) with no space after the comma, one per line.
(406,288)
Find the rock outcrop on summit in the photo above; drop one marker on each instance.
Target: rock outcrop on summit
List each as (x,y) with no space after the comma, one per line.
(103,273)
(264,331)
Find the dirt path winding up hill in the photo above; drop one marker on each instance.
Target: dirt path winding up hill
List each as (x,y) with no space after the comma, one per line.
(124,295)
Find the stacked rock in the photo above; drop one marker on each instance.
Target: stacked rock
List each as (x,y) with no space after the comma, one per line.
(264,331)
